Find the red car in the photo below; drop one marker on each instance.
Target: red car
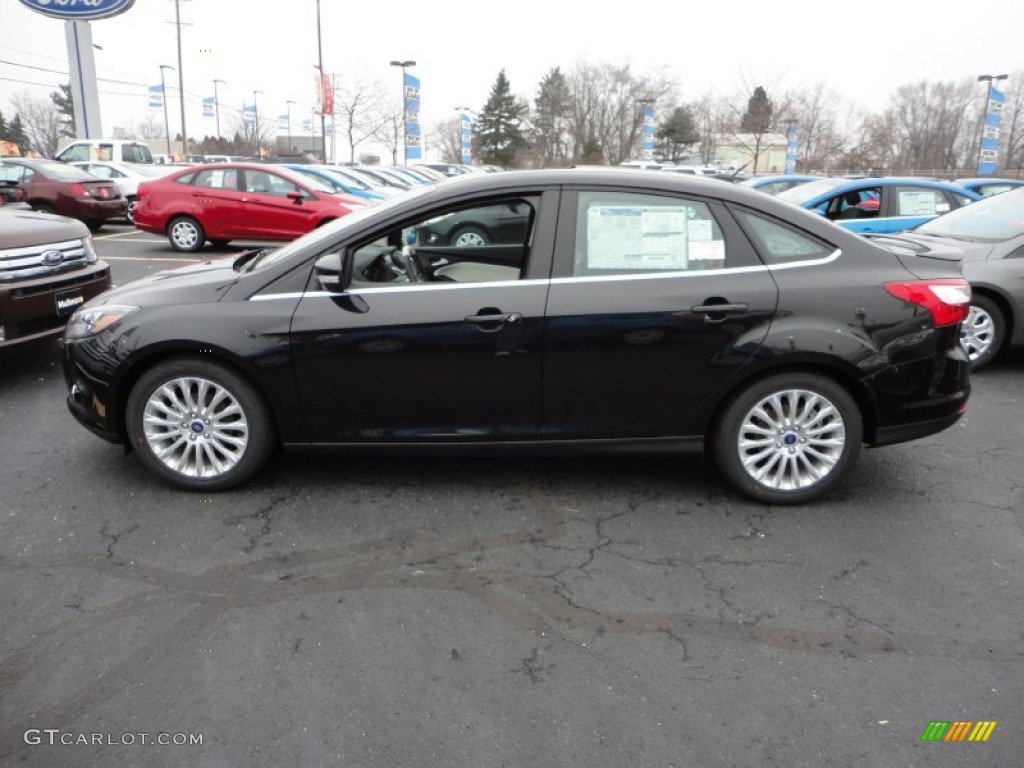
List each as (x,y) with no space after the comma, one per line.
(54,187)
(221,202)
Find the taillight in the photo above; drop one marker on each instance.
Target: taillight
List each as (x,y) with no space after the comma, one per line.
(78,189)
(947,300)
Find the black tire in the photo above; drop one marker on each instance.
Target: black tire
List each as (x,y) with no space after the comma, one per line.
(130,213)
(185,234)
(983,332)
(817,449)
(43,208)
(469,236)
(94,225)
(219,243)
(192,454)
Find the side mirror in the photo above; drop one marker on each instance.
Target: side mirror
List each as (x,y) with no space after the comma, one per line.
(295,196)
(330,272)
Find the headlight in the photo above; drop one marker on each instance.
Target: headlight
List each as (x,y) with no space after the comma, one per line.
(90,250)
(89,321)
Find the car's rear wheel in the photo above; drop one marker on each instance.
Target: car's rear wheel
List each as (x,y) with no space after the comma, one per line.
(789,438)
(982,333)
(199,425)
(43,207)
(469,236)
(94,225)
(130,213)
(185,234)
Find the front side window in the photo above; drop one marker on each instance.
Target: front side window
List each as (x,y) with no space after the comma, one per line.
(488,242)
(855,204)
(264,183)
(622,233)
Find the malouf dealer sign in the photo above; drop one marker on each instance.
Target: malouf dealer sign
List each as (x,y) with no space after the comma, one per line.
(79,10)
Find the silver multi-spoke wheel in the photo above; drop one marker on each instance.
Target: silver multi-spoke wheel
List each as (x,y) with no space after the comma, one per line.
(791,440)
(788,438)
(185,234)
(195,427)
(981,332)
(469,237)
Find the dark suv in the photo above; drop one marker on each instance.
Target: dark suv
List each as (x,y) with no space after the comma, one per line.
(48,268)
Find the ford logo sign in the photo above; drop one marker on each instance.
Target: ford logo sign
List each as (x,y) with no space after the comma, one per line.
(52,258)
(80,10)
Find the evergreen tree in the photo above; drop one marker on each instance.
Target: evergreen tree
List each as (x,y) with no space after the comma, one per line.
(3,126)
(552,110)
(16,133)
(66,107)
(498,132)
(758,117)
(677,134)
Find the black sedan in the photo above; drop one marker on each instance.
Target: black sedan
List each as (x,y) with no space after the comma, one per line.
(635,311)
(987,239)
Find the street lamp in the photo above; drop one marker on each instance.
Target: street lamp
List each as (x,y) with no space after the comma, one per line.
(216,103)
(167,123)
(984,111)
(405,125)
(256,122)
(288,109)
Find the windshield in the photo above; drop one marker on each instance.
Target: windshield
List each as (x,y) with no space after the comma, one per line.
(313,182)
(350,178)
(330,230)
(802,193)
(992,219)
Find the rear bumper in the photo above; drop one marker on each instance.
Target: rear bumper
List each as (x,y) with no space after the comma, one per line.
(903,433)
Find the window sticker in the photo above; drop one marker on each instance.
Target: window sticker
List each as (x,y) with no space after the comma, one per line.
(637,237)
(917,204)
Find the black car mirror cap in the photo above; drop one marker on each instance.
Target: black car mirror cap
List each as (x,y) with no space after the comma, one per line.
(295,196)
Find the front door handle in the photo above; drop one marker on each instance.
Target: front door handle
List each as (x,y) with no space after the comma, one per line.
(709,309)
(494,321)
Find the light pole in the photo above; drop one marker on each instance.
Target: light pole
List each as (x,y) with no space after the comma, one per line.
(320,72)
(167,123)
(256,122)
(216,103)
(984,111)
(405,125)
(646,137)
(288,110)
(181,81)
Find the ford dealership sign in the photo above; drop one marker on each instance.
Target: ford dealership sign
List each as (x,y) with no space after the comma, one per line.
(79,10)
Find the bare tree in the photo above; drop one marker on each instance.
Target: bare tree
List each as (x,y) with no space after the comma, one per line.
(359,111)
(815,110)
(606,112)
(447,136)
(41,120)
(390,128)
(1011,129)
(149,127)
(255,135)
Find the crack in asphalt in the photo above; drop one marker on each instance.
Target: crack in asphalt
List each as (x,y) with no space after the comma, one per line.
(541,604)
(260,514)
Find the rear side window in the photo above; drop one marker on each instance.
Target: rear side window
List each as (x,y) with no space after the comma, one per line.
(779,244)
(75,152)
(136,153)
(920,202)
(218,178)
(621,233)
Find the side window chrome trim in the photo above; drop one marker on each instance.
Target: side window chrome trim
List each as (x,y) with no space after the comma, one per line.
(398,289)
(808,263)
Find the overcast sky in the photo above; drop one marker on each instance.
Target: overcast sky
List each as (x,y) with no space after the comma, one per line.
(863,49)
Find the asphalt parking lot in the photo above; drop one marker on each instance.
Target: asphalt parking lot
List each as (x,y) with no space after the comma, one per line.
(492,612)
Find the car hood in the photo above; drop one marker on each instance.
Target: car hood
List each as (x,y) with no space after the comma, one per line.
(21,228)
(202,283)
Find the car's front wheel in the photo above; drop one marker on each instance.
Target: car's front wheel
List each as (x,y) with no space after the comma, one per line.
(469,236)
(198,424)
(789,438)
(185,234)
(982,333)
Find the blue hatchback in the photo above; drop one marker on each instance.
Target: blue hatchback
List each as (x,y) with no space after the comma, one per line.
(338,181)
(775,185)
(987,186)
(886,204)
